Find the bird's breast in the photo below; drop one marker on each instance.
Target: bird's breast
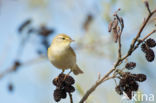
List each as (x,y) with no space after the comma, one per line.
(60,57)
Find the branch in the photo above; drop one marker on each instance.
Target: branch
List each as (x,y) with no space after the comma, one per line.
(120,60)
(18,64)
(142,40)
(92,89)
(148,35)
(139,33)
(70,96)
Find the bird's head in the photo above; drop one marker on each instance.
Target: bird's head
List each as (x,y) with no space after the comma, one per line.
(62,40)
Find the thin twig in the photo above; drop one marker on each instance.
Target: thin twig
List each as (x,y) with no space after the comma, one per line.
(139,33)
(13,68)
(70,96)
(115,81)
(142,40)
(148,35)
(96,85)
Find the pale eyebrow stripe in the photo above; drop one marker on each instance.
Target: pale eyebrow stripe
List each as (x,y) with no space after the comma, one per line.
(60,36)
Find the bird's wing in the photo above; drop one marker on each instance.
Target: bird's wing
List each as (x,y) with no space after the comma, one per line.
(72,51)
(49,53)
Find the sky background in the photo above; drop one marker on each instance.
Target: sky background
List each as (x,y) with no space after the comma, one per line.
(96,52)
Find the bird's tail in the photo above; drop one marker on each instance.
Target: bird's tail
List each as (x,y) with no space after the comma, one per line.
(77,70)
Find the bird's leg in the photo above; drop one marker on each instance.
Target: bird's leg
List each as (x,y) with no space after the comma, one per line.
(67,74)
(62,71)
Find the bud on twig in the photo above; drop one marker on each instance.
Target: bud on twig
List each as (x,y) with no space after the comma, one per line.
(147,5)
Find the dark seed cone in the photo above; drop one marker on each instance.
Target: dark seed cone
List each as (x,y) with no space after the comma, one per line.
(57,95)
(130,65)
(55,81)
(118,90)
(59,81)
(64,95)
(128,84)
(129,94)
(144,47)
(125,74)
(69,80)
(140,77)
(69,89)
(63,85)
(151,42)
(150,55)
(134,86)
(61,77)
(124,83)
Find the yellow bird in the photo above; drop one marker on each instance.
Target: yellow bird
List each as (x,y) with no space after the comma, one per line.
(62,55)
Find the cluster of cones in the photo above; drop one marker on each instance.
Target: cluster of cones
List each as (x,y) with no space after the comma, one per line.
(146,47)
(63,85)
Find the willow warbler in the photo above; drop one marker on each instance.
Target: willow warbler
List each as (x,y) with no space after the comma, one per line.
(62,55)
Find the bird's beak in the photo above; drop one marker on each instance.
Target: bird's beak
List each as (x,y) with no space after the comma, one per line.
(71,40)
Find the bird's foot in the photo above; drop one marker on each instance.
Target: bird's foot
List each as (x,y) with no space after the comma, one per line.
(67,74)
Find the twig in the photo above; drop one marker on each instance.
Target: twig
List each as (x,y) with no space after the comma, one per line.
(13,68)
(119,61)
(142,40)
(147,6)
(7,72)
(70,96)
(115,81)
(139,33)
(96,85)
(148,35)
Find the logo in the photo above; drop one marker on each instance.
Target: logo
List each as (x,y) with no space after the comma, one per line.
(138,97)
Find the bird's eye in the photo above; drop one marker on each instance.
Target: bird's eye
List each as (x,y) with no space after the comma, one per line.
(63,38)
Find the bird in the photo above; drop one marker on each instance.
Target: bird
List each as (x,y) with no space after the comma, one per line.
(61,54)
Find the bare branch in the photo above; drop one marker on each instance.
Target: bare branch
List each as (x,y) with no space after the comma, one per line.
(92,89)
(70,96)
(15,66)
(142,40)
(139,33)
